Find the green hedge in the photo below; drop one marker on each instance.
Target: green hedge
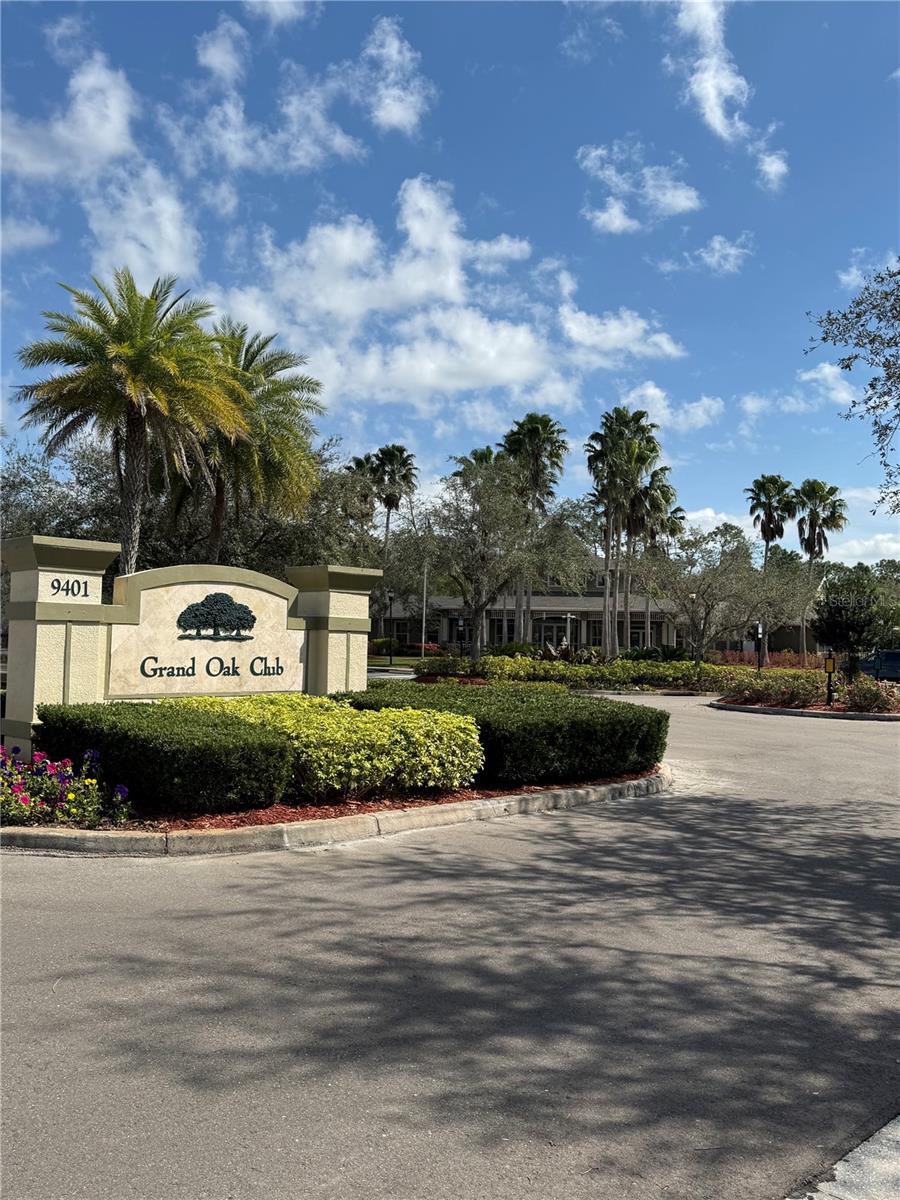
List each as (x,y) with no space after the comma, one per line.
(539,735)
(778,688)
(618,674)
(339,751)
(169,760)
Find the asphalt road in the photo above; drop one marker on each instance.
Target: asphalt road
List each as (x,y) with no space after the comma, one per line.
(688,997)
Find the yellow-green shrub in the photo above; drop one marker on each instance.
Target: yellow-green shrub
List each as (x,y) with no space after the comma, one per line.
(339,751)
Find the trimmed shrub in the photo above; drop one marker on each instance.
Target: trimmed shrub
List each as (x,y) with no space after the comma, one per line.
(865,694)
(616,674)
(169,760)
(514,650)
(338,751)
(425,649)
(539,735)
(450,664)
(778,689)
(378,647)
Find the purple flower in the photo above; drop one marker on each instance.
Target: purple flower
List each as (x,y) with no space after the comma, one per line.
(120,791)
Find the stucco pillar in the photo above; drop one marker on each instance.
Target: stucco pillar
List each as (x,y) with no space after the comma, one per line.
(57,631)
(334,603)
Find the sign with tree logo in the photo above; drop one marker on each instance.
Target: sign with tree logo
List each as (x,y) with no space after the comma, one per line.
(221,615)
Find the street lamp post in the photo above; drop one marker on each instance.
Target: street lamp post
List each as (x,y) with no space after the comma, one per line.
(391,628)
(759,647)
(459,633)
(692,596)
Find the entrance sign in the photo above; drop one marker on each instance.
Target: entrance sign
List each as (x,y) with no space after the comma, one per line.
(175,631)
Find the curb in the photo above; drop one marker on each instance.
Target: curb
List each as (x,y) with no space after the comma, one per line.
(330,831)
(804,712)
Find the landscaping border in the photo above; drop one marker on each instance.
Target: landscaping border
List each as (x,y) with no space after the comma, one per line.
(803,712)
(319,834)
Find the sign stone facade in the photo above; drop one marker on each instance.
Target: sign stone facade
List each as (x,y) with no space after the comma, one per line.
(175,631)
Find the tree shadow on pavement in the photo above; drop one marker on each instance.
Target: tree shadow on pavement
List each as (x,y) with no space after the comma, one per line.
(710,981)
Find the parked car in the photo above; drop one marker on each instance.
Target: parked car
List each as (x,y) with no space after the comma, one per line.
(882,664)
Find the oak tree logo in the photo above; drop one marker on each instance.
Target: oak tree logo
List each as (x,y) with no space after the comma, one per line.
(223,617)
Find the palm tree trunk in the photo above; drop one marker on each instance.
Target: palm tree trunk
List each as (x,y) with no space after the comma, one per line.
(134,482)
(629,548)
(803,622)
(387,540)
(607,556)
(617,567)
(765,624)
(217,521)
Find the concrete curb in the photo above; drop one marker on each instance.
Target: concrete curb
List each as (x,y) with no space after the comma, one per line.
(804,712)
(314,835)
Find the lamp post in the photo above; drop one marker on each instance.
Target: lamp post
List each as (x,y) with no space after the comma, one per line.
(692,596)
(459,633)
(759,647)
(391,628)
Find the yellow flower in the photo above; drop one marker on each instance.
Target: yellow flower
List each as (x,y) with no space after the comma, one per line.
(70,796)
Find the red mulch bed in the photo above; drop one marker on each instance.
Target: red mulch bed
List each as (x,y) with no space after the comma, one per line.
(277,814)
(838,706)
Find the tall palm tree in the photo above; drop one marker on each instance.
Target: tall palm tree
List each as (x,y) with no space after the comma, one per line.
(649,512)
(138,370)
(273,466)
(619,455)
(537,444)
(772,503)
(395,474)
(821,511)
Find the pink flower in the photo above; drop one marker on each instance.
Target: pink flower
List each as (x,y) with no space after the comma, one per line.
(38,756)
(24,800)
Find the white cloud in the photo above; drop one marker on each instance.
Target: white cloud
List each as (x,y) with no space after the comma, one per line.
(682,418)
(772,167)
(866,549)
(395,92)
(609,340)
(221,197)
(723,257)
(224,51)
(138,220)
(718,90)
(829,383)
(283,12)
(91,132)
(384,81)
(24,233)
(66,40)
(584,24)
(657,190)
(612,218)
(863,263)
(706,519)
(719,256)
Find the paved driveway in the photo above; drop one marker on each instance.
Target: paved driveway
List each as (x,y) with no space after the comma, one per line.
(691,996)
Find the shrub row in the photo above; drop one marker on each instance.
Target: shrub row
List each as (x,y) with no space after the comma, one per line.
(338,751)
(619,673)
(803,689)
(536,734)
(171,760)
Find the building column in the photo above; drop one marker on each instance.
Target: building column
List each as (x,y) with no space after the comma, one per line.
(334,602)
(58,638)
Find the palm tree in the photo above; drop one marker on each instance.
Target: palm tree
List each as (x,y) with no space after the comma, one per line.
(619,455)
(138,370)
(273,466)
(537,444)
(772,503)
(649,513)
(395,474)
(479,457)
(821,511)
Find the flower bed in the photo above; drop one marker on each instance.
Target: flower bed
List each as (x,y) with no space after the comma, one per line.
(45,792)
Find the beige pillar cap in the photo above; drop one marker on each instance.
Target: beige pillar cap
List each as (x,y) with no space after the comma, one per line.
(34,552)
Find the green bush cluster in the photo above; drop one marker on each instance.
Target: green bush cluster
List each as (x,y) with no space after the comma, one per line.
(338,751)
(865,694)
(171,760)
(778,688)
(539,735)
(450,664)
(619,673)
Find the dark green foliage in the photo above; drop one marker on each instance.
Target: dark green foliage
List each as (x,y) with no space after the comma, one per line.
(205,762)
(846,618)
(219,613)
(536,734)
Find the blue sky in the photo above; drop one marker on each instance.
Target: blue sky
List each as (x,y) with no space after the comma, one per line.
(461,212)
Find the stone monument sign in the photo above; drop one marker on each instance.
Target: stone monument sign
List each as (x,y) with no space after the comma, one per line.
(174,631)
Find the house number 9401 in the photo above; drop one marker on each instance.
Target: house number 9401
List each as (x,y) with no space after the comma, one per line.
(69,587)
